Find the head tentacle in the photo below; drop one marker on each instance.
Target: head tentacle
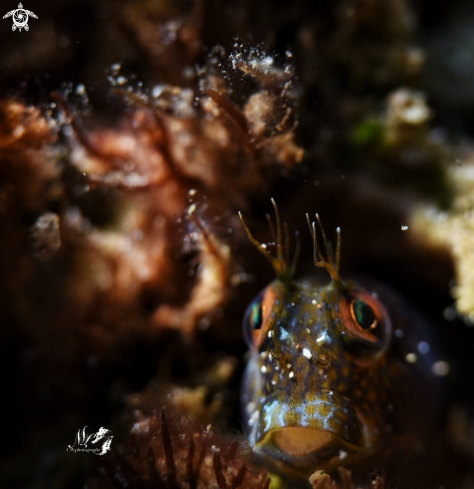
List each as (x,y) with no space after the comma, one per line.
(329,262)
(280,262)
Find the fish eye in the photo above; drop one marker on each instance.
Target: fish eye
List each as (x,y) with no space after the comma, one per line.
(363,314)
(253,321)
(258,319)
(367,325)
(256,315)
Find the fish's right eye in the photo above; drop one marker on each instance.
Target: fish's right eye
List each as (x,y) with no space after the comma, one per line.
(253,321)
(256,315)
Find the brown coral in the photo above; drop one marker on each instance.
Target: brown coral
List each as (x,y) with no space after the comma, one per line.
(169,451)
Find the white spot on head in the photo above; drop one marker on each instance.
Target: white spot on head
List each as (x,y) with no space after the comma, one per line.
(423,347)
(324,338)
(411,357)
(284,334)
(307,354)
(440,368)
(253,418)
(250,408)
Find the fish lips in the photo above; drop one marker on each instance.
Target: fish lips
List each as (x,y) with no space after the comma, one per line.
(320,427)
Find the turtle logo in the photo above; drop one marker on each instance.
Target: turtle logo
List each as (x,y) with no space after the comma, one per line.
(20,17)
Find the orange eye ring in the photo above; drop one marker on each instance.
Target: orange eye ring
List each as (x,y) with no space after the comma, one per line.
(367,325)
(257,321)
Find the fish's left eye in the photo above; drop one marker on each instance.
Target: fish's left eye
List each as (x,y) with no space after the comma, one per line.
(363,314)
(367,325)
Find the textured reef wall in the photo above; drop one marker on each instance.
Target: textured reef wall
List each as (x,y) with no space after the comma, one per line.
(132,133)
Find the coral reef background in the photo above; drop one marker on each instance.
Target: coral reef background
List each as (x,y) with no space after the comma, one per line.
(131,134)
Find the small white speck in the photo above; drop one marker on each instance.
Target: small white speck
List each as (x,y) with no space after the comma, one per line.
(411,357)
(399,333)
(253,418)
(192,192)
(314,301)
(324,338)
(273,382)
(263,369)
(288,365)
(250,408)
(440,368)
(307,354)
(269,334)
(342,454)
(263,245)
(404,228)
(80,89)
(291,375)
(423,347)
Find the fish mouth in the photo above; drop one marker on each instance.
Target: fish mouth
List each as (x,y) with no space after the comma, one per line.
(302,447)
(321,428)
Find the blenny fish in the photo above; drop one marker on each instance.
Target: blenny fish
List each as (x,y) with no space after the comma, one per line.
(339,374)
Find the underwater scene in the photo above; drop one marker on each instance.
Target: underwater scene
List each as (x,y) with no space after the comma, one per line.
(237,244)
